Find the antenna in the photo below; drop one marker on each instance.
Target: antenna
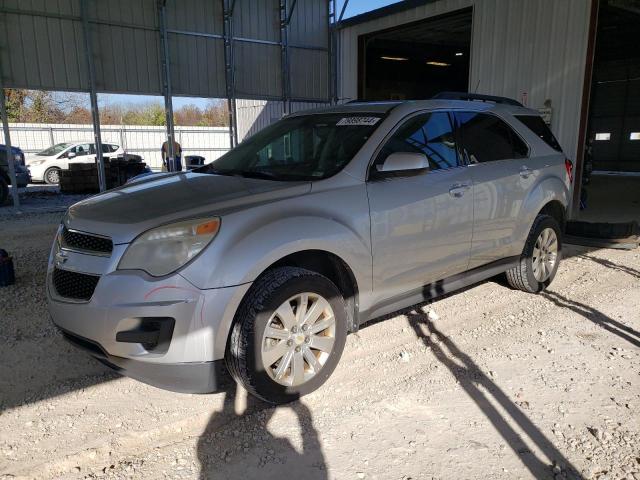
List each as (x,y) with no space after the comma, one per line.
(477,85)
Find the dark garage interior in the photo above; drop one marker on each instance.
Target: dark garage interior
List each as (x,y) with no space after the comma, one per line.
(417,60)
(613,190)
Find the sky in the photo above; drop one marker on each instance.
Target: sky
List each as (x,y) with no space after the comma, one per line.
(355,7)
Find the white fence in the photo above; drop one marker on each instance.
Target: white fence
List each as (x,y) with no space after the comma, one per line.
(209,142)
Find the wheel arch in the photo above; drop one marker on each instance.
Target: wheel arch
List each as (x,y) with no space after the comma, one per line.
(550,196)
(334,268)
(557,210)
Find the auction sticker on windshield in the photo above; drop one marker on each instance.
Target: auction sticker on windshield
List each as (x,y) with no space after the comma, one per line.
(346,121)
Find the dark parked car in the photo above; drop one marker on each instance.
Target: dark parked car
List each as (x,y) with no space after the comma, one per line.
(22,172)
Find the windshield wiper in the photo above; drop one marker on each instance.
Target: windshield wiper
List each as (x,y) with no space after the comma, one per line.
(258,174)
(213,171)
(261,174)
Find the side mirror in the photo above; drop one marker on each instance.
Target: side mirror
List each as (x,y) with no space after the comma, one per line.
(404,161)
(71,155)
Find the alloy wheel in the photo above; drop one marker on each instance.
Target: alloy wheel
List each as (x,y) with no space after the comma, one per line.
(53,176)
(545,254)
(298,339)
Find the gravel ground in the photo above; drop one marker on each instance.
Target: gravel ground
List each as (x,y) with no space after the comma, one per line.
(486,383)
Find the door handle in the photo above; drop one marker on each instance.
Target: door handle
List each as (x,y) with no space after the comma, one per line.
(525,172)
(457,189)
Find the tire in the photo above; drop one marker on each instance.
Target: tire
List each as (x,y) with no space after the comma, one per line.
(4,191)
(260,307)
(530,275)
(52,176)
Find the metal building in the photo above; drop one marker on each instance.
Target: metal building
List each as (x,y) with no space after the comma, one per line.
(272,50)
(574,60)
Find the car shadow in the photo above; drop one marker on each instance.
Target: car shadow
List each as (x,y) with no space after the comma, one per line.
(596,316)
(485,394)
(238,444)
(615,266)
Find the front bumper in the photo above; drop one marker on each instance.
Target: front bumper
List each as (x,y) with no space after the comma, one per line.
(195,377)
(37,172)
(191,359)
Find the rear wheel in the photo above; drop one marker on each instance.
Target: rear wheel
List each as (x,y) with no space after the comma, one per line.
(288,335)
(4,191)
(52,176)
(540,257)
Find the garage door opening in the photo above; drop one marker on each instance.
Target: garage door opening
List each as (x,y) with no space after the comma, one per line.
(613,133)
(416,60)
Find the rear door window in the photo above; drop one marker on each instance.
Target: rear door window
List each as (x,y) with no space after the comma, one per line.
(430,134)
(537,126)
(108,148)
(487,138)
(81,150)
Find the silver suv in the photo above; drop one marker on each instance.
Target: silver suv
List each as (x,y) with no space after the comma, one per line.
(260,263)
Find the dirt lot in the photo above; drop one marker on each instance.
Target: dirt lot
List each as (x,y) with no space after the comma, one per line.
(487,383)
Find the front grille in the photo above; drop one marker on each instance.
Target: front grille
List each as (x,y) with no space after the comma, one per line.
(85,241)
(78,286)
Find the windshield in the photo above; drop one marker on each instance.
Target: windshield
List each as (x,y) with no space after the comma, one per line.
(309,147)
(56,149)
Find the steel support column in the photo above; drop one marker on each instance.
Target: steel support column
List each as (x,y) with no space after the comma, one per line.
(333,57)
(93,97)
(229,69)
(166,84)
(285,19)
(7,142)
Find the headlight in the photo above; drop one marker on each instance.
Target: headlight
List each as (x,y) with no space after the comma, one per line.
(37,162)
(165,249)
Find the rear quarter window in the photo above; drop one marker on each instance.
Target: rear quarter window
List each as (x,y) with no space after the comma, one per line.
(487,138)
(537,126)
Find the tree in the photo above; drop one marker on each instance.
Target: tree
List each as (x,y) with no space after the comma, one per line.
(189,115)
(79,115)
(15,100)
(149,114)
(216,114)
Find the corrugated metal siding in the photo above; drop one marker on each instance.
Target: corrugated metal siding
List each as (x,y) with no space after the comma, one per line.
(49,53)
(309,24)
(197,66)
(309,77)
(537,47)
(254,115)
(126,59)
(36,51)
(259,20)
(259,74)
(203,16)
(138,13)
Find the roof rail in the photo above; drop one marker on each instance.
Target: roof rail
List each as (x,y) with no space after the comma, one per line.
(476,97)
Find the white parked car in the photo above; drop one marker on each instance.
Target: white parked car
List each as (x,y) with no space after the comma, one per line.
(45,166)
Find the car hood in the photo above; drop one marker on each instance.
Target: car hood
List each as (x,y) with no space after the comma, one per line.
(126,212)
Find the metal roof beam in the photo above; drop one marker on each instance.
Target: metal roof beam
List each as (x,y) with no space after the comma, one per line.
(93,97)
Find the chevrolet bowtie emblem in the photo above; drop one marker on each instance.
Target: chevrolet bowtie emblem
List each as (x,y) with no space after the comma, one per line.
(61,257)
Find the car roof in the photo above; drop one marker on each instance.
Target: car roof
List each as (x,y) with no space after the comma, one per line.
(13,148)
(387,106)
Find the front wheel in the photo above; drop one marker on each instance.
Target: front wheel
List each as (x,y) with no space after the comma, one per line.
(288,334)
(52,176)
(540,258)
